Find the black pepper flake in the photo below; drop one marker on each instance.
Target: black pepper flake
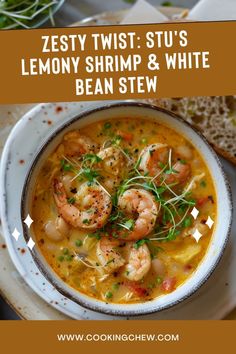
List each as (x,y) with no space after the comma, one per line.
(211,199)
(73,190)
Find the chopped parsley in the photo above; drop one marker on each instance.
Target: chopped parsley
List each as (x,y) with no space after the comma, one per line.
(107,125)
(86,221)
(96,235)
(139,243)
(92,158)
(66,166)
(187,221)
(116,286)
(108,295)
(159,280)
(71,200)
(78,243)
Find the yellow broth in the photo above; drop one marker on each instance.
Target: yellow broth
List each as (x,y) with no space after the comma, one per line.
(178,257)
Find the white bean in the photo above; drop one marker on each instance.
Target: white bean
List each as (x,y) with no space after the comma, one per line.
(185,152)
(158,266)
(56,230)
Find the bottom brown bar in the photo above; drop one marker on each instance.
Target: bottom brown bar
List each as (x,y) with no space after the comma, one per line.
(117,336)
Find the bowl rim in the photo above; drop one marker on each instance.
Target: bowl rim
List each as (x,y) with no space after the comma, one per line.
(52,276)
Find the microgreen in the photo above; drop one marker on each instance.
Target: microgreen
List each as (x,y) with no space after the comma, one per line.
(96,235)
(71,200)
(66,166)
(187,221)
(182,161)
(140,243)
(92,158)
(90,174)
(110,261)
(24,13)
(116,140)
(128,225)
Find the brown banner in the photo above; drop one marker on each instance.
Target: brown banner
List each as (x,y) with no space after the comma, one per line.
(117,62)
(117,336)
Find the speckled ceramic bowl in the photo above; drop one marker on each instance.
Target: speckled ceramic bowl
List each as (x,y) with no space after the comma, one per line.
(222,224)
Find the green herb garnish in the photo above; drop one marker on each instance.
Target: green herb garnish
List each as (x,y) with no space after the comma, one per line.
(78,243)
(24,13)
(107,125)
(187,221)
(166,3)
(71,200)
(69,258)
(108,295)
(139,243)
(66,166)
(92,158)
(144,141)
(116,286)
(90,174)
(86,221)
(95,235)
(182,161)
(129,224)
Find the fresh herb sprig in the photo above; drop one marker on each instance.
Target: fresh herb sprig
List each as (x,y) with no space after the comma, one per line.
(23,13)
(174,207)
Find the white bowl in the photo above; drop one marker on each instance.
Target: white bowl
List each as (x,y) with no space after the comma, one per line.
(222,224)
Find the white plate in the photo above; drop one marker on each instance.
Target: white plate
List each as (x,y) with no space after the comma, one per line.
(214,300)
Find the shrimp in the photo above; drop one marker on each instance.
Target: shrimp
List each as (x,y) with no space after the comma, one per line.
(108,255)
(91,209)
(138,201)
(154,156)
(180,174)
(68,182)
(76,144)
(151,157)
(139,263)
(57,229)
(112,160)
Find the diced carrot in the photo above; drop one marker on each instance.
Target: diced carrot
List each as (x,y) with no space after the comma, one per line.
(136,288)
(168,284)
(202,201)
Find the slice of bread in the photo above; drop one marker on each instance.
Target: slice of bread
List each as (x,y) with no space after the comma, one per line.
(215,117)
